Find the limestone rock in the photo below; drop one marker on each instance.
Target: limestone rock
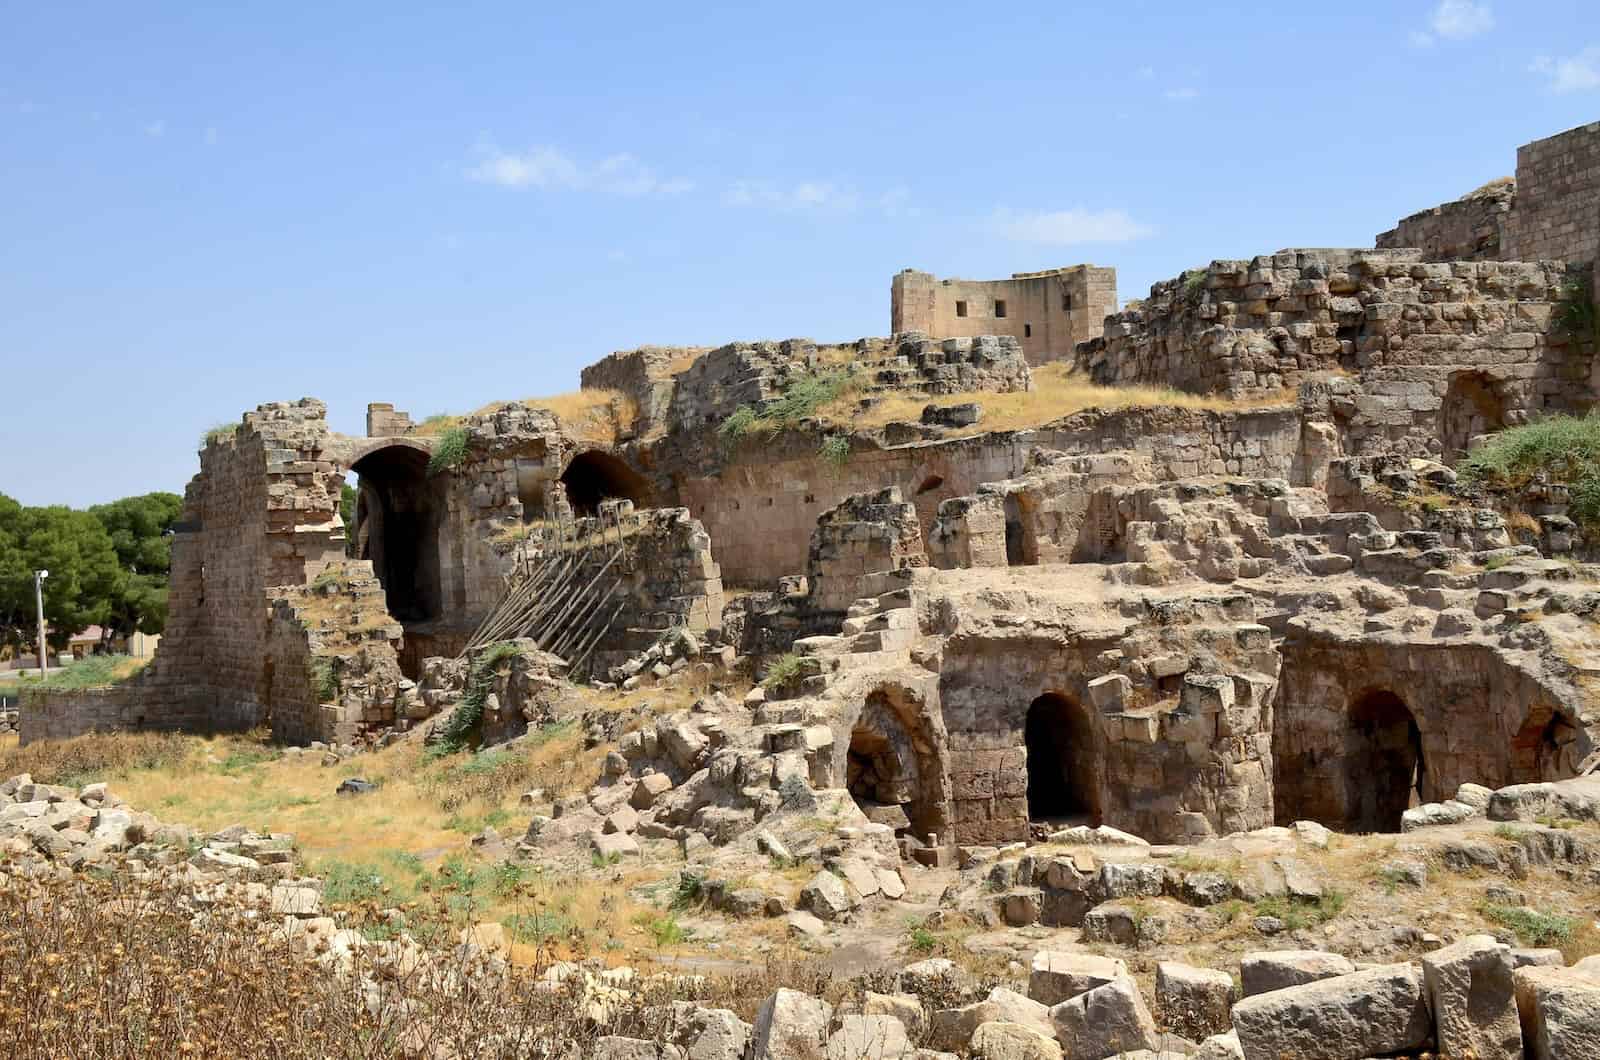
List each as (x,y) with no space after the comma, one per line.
(868,1038)
(1560,1011)
(1104,1021)
(904,1007)
(1276,969)
(1473,999)
(1193,1001)
(1219,1047)
(999,1040)
(1368,1013)
(826,897)
(1057,976)
(790,1026)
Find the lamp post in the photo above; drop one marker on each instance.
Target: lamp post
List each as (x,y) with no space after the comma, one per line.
(38,599)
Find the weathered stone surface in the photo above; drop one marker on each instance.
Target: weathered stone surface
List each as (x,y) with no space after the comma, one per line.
(710,1033)
(825,896)
(1104,1021)
(999,1040)
(790,1026)
(868,1038)
(1473,999)
(1194,1002)
(1276,969)
(904,1007)
(1367,1013)
(1057,976)
(1560,1012)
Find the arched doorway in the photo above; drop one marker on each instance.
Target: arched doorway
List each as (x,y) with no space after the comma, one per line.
(1472,406)
(1063,772)
(397,529)
(594,476)
(892,770)
(1385,772)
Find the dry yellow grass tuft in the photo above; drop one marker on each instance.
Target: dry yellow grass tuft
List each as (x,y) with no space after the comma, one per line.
(597,416)
(1056,392)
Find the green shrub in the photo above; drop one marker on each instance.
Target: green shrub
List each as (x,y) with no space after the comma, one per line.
(835,452)
(1576,315)
(1566,448)
(802,396)
(449,450)
(1532,927)
(537,927)
(689,891)
(344,883)
(467,716)
(325,678)
(783,669)
(740,424)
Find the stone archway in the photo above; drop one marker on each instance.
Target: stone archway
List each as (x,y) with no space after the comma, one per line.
(593,476)
(1472,406)
(398,513)
(892,766)
(1385,772)
(1063,770)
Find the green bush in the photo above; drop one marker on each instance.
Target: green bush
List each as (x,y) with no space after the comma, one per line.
(1566,448)
(464,720)
(1532,927)
(449,450)
(783,669)
(344,883)
(325,679)
(1576,315)
(835,452)
(802,396)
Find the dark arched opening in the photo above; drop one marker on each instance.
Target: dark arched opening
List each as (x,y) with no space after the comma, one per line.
(929,484)
(397,529)
(1063,776)
(1472,406)
(1385,773)
(595,476)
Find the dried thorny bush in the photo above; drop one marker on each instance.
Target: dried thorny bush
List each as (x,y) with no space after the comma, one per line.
(111,966)
(94,755)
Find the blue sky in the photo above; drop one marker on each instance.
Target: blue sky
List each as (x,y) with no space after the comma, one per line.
(206,207)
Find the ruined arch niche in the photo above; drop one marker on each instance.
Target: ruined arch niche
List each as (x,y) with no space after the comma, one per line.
(397,528)
(1063,769)
(892,767)
(1473,405)
(1385,770)
(593,476)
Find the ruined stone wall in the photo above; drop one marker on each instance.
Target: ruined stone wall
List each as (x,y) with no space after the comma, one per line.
(866,534)
(670,581)
(646,375)
(1167,730)
(1384,336)
(1557,212)
(1471,228)
(1047,312)
(1480,717)
(760,507)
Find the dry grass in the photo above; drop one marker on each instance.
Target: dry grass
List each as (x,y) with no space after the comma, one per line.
(409,838)
(1056,392)
(150,978)
(596,416)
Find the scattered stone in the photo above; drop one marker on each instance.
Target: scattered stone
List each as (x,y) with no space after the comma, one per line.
(1473,999)
(1107,1020)
(1374,1012)
(1057,976)
(355,786)
(1194,1002)
(1276,969)
(790,1026)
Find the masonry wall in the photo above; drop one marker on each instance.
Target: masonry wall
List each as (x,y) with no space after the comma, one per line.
(1557,212)
(1471,228)
(762,505)
(1047,312)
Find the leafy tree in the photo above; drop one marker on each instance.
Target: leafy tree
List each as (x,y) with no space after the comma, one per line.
(85,577)
(138,529)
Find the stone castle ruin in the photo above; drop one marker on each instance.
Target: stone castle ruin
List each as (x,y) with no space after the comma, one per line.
(1274,603)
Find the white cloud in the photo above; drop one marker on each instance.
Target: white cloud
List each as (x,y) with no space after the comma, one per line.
(1576,73)
(807,195)
(1460,19)
(1181,93)
(548,168)
(155,128)
(1063,227)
